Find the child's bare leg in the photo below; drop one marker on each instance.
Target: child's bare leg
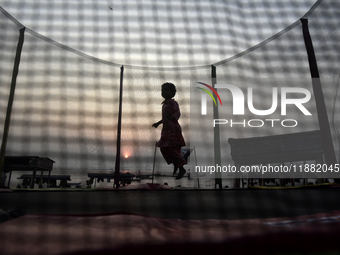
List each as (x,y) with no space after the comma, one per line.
(182,171)
(175,170)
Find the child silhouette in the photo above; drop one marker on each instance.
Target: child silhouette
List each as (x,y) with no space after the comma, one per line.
(171,136)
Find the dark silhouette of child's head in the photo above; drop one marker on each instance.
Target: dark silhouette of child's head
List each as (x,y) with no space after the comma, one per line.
(168,90)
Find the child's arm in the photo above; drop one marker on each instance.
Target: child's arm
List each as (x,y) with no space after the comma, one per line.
(155,125)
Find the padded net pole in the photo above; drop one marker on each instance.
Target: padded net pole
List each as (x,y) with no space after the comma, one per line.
(326,137)
(217,144)
(10,100)
(119,129)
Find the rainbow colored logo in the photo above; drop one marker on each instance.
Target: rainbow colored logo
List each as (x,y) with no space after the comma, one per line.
(208,92)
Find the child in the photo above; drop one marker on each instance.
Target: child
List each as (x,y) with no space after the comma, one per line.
(171,137)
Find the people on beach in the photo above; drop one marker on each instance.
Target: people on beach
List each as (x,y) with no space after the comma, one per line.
(171,139)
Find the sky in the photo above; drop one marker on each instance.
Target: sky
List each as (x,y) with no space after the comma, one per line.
(158,33)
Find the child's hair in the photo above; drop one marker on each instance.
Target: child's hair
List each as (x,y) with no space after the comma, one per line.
(171,86)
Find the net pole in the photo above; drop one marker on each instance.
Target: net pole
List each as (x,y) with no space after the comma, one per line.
(325,130)
(154,162)
(217,143)
(119,129)
(11,99)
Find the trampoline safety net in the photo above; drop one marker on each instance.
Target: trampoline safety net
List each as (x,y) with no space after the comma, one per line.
(66,103)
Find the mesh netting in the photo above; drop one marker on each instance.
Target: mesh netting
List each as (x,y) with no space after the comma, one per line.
(66,102)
